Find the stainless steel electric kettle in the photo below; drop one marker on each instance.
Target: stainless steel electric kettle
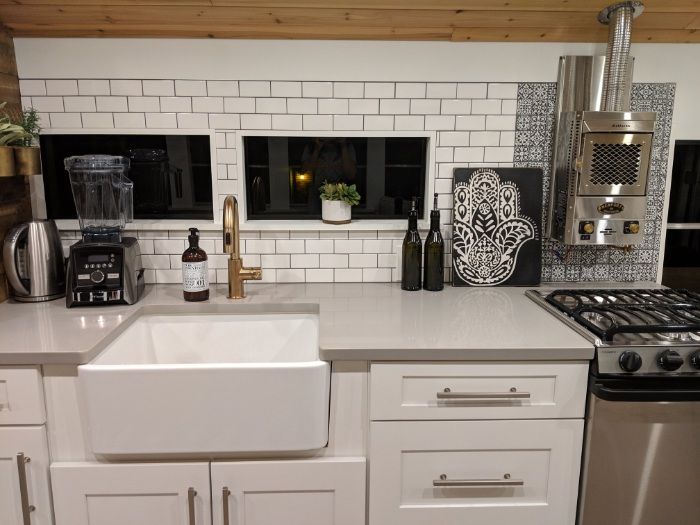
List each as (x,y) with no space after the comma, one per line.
(34,263)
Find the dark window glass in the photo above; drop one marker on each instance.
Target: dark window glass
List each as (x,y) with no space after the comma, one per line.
(283,174)
(682,259)
(684,203)
(171,173)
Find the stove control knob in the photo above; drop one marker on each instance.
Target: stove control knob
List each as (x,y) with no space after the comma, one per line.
(97,276)
(630,361)
(695,359)
(669,360)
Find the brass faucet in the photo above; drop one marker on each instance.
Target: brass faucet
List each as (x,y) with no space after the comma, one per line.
(237,273)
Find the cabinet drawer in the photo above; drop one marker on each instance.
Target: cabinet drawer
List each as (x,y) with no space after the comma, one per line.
(523,472)
(461,391)
(21,396)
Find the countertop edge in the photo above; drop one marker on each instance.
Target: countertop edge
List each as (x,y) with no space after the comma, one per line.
(456,354)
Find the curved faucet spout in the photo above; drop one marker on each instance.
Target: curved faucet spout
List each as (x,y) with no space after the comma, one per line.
(237,273)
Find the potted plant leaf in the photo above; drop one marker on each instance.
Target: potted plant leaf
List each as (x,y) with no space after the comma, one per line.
(337,200)
(27,155)
(9,134)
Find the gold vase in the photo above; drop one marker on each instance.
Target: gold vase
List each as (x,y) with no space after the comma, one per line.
(7,161)
(27,160)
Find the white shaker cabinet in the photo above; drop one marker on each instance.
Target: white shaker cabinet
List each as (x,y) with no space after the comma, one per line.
(131,493)
(24,476)
(290,492)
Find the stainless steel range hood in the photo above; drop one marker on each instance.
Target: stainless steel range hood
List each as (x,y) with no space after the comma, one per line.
(602,149)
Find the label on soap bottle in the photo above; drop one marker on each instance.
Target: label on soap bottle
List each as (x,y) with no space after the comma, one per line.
(195,276)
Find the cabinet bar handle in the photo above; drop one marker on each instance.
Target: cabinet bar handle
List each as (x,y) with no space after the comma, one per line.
(225,493)
(191,493)
(22,461)
(483,396)
(505,481)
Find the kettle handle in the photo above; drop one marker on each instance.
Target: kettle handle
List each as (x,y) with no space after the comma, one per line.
(9,252)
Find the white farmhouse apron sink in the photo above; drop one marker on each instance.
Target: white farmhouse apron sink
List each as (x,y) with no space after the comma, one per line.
(209,383)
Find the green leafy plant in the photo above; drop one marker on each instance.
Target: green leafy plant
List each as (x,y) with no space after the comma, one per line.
(30,124)
(339,191)
(10,134)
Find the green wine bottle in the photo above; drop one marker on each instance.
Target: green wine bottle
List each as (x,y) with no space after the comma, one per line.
(434,264)
(411,253)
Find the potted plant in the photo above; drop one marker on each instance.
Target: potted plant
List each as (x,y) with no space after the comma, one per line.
(337,200)
(9,134)
(27,156)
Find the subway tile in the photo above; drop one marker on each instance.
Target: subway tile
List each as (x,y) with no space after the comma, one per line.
(348,246)
(456,106)
(379,89)
(224,121)
(441,90)
(159,88)
(207,104)
(332,105)
(256,122)
(191,88)
(231,139)
(471,90)
(376,246)
(270,105)
(291,276)
(379,123)
(470,154)
(176,104)
(484,138)
(93,87)
(470,122)
(486,107)
(132,88)
(507,138)
(168,246)
(333,234)
(500,122)
(316,275)
(144,104)
(319,246)
(333,260)
(302,106)
(444,154)
(409,122)
(304,260)
(347,122)
(239,105)
(503,90)
(260,246)
(112,104)
(367,106)
(509,107)
(222,88)
(226,156)
(97,120)
(348,90)
(317,89)
(443,185)
(398,106)
(348,275)
(32,87)
(362,234)
(79,104)
(410,90)
(274,261)
(363,260)
(168,276)
(161,120)
(425,106)
(282,122)
(285,89)
(156,262)
(66,120)
(499,154)
(376,275)
(227,187)
(318,122)
(387,260)
(454,138)
(439,122)
(61,87)
(304,234)
(129,120)
(290,246)
(192,120)
(48,104)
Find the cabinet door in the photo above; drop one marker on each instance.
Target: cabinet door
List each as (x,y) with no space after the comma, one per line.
(474,472)
(327,491)
(131,493)
(24,476)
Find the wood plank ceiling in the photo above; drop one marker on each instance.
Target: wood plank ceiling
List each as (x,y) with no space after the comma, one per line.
(448,20)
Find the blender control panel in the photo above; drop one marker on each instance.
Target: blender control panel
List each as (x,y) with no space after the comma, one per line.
(97,274)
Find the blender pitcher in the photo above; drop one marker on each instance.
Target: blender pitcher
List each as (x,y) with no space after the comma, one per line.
(103,195)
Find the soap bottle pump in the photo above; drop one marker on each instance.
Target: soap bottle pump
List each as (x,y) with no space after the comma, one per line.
(195,270)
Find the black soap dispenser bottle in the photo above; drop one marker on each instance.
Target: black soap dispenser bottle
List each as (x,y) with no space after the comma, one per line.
(434,264)
(195,271)
(411,253)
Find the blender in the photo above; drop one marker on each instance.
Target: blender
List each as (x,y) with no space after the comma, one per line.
(103,267)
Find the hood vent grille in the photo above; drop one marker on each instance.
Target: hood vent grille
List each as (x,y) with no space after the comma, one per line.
(616,164)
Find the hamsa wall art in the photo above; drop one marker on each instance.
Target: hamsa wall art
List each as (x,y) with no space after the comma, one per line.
(497,227)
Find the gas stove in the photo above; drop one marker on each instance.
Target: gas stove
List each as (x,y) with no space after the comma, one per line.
(645,332)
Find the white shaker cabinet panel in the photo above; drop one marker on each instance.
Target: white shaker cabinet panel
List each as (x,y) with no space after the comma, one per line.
(474,472)
(324,491)
(24,476)
(131,493)
(21,396)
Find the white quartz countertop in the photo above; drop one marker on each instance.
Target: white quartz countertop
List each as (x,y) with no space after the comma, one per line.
(368,322)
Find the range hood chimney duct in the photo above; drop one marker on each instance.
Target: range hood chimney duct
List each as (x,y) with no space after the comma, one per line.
(619,17)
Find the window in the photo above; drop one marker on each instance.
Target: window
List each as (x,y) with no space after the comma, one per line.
(171,173)
(283,174)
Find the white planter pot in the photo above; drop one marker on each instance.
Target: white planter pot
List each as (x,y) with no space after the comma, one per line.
(335,212)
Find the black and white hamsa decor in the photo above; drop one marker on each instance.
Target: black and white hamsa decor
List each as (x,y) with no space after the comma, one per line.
(497,225)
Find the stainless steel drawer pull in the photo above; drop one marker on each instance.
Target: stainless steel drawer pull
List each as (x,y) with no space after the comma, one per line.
(191,493)
(22,461)
(483,396)
(505,481)
(225,493)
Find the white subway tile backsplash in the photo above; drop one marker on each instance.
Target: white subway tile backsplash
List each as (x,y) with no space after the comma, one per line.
(226,156)
(409,122)
(48,104)
(444,154)
(507,138)
(97,120)
(159,88)
(364,106)
(363,260)
(65,120)
(275,261)
(333,260)
(260,246)
(168,246)
(32,87)
(61,87)
(285,89)
(270,105)
(111,104)
(239,105)
(319,245)
(208,104)
(379,123)
(386,260)
(470,154)
(129,120)
(161,120)
(348,246)
(144,104)
(291,276)
(347,122)
(441,90)
(399,106)
(425,106)
(190,88)
(318,122)
(509,90)
(126,87)
(471,90)
(486,107)
(348,275)
(499,154)
(222,88)
(379,89)
(305,260)
(376,275)
(410,90)
(290,246)
(348,90)
(453,138)
(192,120)
(317,89)
(376,246)
(256,122)
(484,138)
(79,104)
(438,122)
(302,105)
(176,104)
(286,122)
(321,275)
(93,87)
(332,106)
(470,122)
(500,122)
(454,106)
(509,107)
